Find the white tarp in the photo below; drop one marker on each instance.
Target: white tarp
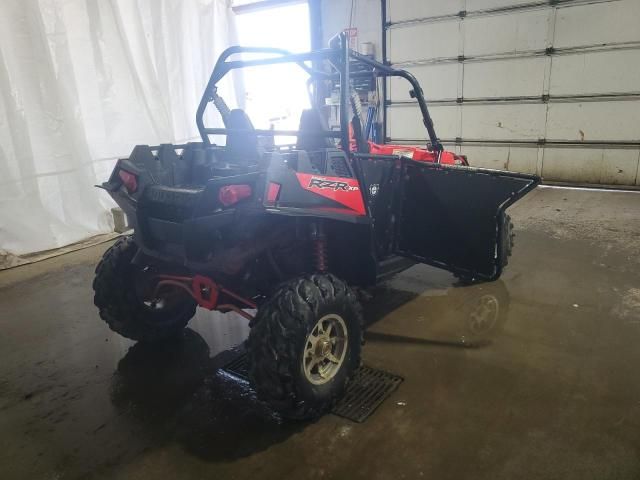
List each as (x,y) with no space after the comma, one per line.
(82,82)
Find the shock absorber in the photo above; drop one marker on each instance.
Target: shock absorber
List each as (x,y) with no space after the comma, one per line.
(221,105)
(320,252)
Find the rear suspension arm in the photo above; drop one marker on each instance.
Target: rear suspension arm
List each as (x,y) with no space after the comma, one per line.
(206,293)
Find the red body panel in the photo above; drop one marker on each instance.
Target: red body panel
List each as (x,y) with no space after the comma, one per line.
(345,191)
(418,154)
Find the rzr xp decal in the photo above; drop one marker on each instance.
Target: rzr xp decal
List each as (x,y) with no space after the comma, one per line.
(334,185)
(345,191)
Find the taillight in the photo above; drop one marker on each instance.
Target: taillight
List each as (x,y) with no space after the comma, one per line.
(129,180)
(232,194)
(272,192)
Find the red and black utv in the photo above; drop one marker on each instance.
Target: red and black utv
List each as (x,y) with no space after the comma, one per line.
(282,234)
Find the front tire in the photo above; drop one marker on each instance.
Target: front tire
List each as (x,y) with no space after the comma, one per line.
(507,241)
(120,298)
(508,238)
(305,345)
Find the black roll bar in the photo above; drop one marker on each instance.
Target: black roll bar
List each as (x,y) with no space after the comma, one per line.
(416,93)
(338,55)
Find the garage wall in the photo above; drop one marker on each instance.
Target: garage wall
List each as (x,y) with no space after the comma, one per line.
(533,86)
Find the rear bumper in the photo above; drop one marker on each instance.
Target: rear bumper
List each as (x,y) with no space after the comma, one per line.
(170,239)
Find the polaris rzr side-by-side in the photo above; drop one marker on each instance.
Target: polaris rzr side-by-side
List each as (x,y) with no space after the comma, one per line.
(282,235)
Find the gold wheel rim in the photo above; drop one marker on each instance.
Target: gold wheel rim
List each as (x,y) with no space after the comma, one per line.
(325,349)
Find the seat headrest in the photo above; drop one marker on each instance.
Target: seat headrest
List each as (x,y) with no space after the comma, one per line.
(242,147)
(312,121)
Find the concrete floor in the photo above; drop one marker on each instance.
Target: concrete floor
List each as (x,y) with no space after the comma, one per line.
(551,391)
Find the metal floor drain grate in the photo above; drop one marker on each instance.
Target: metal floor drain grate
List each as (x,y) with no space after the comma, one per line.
(366,391)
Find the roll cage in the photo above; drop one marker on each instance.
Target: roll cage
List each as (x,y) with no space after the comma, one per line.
(338,56)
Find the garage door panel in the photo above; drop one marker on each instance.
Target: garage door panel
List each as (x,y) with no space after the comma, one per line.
(598,24)
(406,122)
(522,159)
(620,167)
(505,78)
(399,10)
(439,82)
(486,157)
(514,159)
(596,73)
(590,165)
(421,41)
(517,32)
(503,122)
(595,121)
(568,164)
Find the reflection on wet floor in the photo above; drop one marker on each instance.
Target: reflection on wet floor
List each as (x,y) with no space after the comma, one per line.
(177,392)
(458,315)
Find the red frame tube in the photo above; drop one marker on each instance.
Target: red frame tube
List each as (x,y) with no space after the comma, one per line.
(194,287)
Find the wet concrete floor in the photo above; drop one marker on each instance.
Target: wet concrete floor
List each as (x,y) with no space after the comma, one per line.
(545,385)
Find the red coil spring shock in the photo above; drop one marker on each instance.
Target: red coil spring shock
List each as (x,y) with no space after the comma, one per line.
(320,254)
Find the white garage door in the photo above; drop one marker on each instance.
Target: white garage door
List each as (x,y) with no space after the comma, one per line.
(547,87)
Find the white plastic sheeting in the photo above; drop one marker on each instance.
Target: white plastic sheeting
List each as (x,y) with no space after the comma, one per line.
(82,82)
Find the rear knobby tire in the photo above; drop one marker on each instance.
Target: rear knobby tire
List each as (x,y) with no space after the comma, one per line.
(506,243)
(117,296)
(279,344)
